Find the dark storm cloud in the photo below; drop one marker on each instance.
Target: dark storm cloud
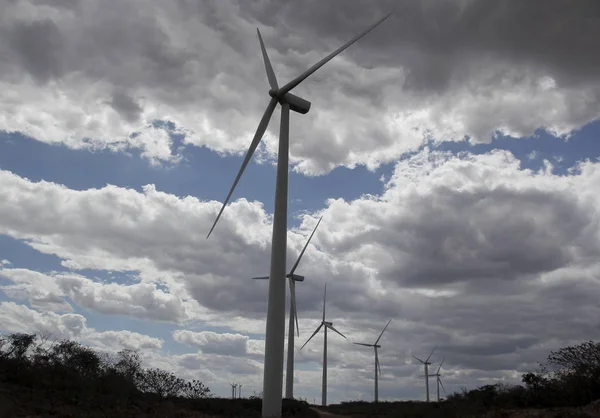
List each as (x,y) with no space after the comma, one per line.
(436,39)
(38,46)
(430,70)
(126,106)
(499,233)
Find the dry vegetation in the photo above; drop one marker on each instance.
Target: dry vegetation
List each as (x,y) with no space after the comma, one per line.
(66,379)
(568,385)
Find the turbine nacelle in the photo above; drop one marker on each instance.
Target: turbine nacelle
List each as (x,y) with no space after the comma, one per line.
(297,103)
(295,277)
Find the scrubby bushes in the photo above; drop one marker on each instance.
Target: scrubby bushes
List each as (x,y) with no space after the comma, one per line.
(66,378)
(67,365)
(66,374)
(570,378)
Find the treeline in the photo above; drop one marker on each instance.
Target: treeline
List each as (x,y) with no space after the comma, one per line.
(29,361)
(569,378)
(65,378)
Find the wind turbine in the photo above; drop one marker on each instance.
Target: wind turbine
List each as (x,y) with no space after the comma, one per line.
(275,327)
(377,367)
(438,377)
(233,387)
(292,279)
(324,324)
(426,364)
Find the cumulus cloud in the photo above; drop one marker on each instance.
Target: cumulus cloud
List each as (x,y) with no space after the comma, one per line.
(468,252)
(49,291)
(119,340)
(90,75)
(20,318)
(213,343)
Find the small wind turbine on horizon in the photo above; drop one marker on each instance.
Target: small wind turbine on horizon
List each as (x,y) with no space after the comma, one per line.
(275,327)
(292,279)
(324,324)
(233,390)
(377,367)
(426,365)
(438,377)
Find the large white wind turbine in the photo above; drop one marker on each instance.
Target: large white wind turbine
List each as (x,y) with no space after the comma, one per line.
(292,279)
(438,379)
(426,365)
(324,324)
(275,327)
(377,367)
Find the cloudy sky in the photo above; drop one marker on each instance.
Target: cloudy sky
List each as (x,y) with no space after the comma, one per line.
(452,153)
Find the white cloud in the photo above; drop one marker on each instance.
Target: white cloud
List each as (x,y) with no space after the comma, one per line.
(119,340)
(96,76)
(40,290)
(48,291)
(225,344)
(455,246)
(19,318)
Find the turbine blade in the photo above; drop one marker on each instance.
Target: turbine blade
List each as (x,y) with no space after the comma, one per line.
(383,331)
(293,302)
(442,385)
(335,330)
(261,278)
(442,362)
(434,348)
(377,361)
(260,131)
(270,73)
(286,88)
(419,359)
(304,249)
(314,333)
(366,345)
(324,297)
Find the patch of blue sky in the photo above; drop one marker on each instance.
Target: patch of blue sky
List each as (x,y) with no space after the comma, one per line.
(207,175)
(532,151)
(22,255)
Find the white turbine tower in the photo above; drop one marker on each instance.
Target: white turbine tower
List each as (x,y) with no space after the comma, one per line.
(438,377)
(233,387)
(292,279)
(426,365)
(275,327)
(324,324)
(377,367)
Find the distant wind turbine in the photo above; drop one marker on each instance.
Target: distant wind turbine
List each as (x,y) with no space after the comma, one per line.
(233,387)
(292,279)
(275,327)
(438,377)
(324,324)
(426,364)
(377,367)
